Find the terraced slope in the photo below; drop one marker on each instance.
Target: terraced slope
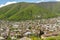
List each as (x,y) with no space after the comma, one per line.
(30,11)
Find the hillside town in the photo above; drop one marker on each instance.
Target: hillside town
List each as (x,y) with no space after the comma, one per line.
(26,28)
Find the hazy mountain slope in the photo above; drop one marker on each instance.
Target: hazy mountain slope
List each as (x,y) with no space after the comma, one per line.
(30,11)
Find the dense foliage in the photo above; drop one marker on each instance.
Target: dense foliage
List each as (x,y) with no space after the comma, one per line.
(29,11)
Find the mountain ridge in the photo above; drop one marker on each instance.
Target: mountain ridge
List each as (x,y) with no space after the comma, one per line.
(30,11)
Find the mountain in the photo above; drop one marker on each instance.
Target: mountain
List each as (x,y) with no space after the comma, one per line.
(30,11)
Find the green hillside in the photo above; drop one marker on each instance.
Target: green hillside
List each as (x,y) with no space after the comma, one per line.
(30,11)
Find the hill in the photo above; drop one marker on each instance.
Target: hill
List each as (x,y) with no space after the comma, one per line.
(30,11)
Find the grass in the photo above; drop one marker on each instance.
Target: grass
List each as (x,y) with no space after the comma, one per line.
(53,38)
(38,38)
(35,38)
(48,38)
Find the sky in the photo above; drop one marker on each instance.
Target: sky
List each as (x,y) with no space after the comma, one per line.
(7,2)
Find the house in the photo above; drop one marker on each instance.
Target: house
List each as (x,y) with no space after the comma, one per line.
(27,33)
(13,38)
(49,35)
(2,38)
(25,38)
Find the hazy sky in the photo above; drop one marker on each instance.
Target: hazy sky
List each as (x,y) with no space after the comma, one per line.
(5,1)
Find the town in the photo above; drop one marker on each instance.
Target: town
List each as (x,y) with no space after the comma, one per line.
(16,30)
